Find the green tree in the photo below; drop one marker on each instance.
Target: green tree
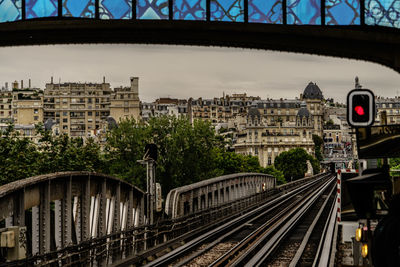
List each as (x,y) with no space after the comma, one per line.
(20,158)
(124,147)
(17,156)
(64,153)
(186,152)
(293,163)
(317,146)
(394,163)
(329,122)
(230,162)
(280,178)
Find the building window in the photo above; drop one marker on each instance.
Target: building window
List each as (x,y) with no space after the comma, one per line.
(65,113)
(89,113)
(36,118)
(126,109)
(269,161)
(35,111)
(65,120)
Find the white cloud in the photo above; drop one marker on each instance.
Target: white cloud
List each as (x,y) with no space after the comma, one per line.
(187,71)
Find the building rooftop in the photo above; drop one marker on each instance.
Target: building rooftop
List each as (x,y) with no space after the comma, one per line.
(312,91)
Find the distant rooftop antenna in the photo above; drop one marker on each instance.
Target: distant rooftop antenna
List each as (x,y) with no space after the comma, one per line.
(358,86)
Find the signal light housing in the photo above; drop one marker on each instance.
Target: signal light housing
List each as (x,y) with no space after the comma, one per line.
(360,108)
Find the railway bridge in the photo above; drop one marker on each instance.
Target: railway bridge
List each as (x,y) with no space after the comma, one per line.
(91,217)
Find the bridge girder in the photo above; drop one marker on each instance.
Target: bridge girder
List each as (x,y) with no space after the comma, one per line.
(370,43)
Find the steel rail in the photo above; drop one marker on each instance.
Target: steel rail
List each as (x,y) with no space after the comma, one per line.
(310,229)
(235,230)
(280,230)
(211,235)
(325,245)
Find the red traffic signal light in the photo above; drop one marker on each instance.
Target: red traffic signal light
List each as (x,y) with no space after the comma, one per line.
(360,108)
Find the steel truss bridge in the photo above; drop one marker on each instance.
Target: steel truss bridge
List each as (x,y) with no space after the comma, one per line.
(71,218)
(363,29)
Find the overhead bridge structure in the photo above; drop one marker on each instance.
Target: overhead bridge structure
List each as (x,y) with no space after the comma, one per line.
(358,29)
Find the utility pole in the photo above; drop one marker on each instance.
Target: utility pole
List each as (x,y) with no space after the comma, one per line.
(149,159)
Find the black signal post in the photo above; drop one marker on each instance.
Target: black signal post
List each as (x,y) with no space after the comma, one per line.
(360,108)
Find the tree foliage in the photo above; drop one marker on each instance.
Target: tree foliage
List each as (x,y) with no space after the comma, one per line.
(187,153)
(317,146)
(18,157)
(21,158)
(293,163)
(394,163)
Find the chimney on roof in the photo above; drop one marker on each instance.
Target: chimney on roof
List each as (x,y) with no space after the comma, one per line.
(29,83)
(6,85)
(51,79)
(22,84)
(104,79)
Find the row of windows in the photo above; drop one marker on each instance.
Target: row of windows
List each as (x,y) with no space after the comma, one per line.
(312,12)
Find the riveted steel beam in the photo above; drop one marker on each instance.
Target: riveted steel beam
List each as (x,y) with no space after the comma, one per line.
(44,218)
(85,210)
(102,208)
(67,213)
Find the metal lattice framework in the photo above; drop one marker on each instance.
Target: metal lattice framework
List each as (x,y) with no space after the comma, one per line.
(301,12)
(67,208)
(84,217)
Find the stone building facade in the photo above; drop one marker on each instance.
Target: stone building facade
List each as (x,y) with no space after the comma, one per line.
(268,141)
(390,106)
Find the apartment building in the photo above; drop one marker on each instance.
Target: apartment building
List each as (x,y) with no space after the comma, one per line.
(267,141)
(124,101)
(220,110)
(82,109)
(389,107)
(164,106)
(5,105)
(27,106)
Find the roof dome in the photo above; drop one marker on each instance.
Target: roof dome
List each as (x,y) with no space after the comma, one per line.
(253,111)
(303,111)
(312,91)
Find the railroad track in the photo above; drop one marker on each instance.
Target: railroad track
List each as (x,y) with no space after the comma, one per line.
(236,242)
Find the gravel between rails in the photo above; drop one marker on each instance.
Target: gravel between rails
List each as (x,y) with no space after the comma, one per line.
(211,255)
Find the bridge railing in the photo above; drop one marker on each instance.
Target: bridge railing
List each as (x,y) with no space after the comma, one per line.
(320,12)
(215,192)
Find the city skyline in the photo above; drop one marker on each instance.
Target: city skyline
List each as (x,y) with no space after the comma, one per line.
(187,71)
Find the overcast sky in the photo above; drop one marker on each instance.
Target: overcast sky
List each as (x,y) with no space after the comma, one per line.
(184,71)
